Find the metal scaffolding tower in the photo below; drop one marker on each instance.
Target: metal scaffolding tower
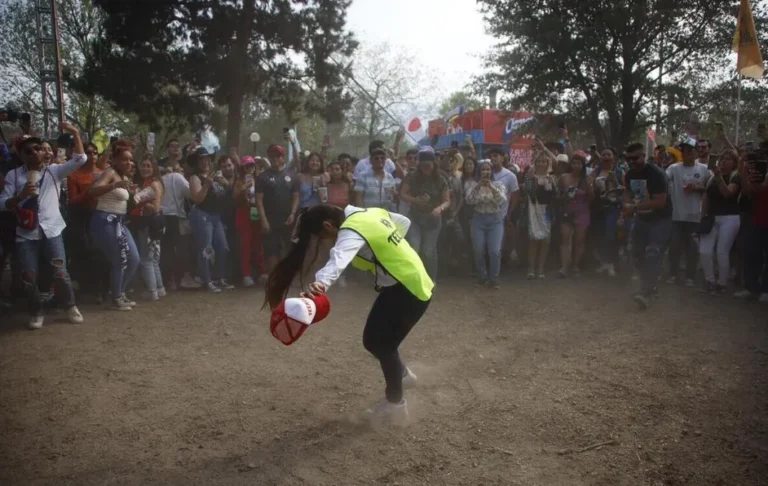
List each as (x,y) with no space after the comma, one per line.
(50,66)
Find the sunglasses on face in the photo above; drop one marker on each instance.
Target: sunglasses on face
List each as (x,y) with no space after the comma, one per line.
(90,152)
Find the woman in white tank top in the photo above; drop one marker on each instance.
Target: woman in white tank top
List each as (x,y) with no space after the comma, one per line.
(113,191)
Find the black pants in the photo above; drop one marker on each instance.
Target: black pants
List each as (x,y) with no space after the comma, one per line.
(175,253)
(393,315)
(681,241)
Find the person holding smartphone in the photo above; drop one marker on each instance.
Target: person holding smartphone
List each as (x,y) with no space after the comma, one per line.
(754,178)
(32,192)
(486,197)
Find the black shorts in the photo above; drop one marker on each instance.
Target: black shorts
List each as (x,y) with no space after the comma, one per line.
(277,242)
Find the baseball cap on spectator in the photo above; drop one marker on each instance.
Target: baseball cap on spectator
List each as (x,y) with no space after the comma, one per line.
(247,160)
(562,158)
(688,142)
(426,156)
(293,316)
(275,150)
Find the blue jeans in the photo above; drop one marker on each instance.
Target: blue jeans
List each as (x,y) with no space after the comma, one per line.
(107,231)
(29,256)
(210,244)
(487,232)
(149,256)
(649,242)
(424,241)
(608,247)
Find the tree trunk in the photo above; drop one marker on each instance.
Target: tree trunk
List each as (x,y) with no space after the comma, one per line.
(239,62)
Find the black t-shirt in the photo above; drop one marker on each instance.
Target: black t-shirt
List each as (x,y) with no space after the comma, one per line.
(277,188)
(653,180)
(719,205)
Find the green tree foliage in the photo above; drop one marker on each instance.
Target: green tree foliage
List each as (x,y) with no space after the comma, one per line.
(183,57)
(599,61)
(80,24)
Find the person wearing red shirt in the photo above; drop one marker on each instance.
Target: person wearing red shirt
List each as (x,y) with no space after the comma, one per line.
(755,187)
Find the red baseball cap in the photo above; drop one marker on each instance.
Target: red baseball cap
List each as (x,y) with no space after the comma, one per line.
(275,150)
(293,316)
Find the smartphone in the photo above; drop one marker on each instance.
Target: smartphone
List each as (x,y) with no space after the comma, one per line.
(593,148)
(61,154)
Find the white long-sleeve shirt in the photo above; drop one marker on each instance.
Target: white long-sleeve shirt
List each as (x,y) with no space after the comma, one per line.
(350,244)
(51,223)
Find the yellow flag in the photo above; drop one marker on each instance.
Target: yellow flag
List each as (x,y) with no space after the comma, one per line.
(750,61)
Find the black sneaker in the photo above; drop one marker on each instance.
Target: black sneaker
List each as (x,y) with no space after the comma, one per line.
(717,290)
(224,285)
(642,301)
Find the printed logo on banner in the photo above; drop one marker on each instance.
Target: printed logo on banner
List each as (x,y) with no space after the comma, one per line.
(513,125)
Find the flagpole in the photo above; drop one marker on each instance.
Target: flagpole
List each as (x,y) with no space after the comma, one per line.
(738,106)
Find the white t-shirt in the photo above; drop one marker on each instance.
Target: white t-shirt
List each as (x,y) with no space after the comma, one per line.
(687,206)
(176,192)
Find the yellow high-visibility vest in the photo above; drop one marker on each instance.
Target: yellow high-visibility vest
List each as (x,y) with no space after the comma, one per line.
(391,251)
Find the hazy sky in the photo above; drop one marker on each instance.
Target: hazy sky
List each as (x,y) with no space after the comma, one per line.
(447,36)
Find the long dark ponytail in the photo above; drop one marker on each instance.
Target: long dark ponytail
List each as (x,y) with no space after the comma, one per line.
(310,224)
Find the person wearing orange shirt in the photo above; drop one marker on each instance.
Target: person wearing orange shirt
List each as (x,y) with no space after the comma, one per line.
(86,267)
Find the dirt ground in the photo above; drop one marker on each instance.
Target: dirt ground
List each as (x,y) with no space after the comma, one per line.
(517,387)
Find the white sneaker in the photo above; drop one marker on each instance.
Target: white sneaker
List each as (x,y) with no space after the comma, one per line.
(121,305)
(611,270)
(161,292)
(689,282)
(248,282)
(188,282)
(602,268)
(743,294)
(224,285)
(74,315)
(151,295)
(36,322)
(409,379)
(672,280)
(386,412)
(763,298)
(213,288)
(127,301)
